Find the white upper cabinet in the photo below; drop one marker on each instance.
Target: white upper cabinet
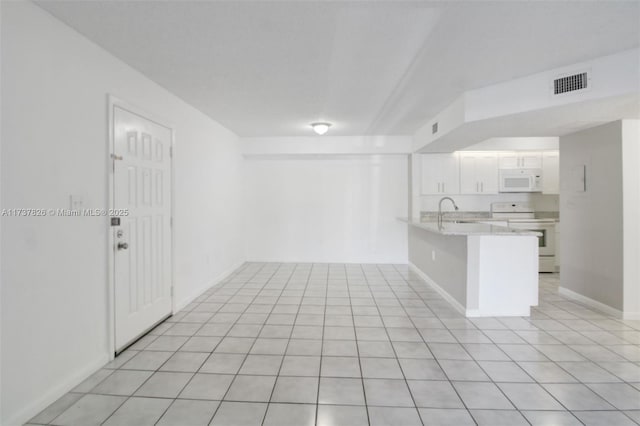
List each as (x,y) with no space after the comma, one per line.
(440,174)
(478,173)
(488,174)
(551,172)
(508,160)
(520,160)
(530,160)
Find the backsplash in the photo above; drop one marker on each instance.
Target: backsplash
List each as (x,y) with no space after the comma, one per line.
(482,203)
(427,216)
(547,215)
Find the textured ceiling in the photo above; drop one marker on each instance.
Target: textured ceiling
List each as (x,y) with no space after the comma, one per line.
(382,67)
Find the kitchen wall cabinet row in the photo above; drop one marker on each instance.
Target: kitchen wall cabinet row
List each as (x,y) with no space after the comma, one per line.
(520,160)
(478,172)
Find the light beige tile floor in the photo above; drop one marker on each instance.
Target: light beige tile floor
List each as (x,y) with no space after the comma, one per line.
(320,344)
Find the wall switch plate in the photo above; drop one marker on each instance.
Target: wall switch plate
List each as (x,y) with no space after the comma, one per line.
(433,255)
(76,201)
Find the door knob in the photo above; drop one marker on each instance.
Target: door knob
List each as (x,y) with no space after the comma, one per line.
(123,246)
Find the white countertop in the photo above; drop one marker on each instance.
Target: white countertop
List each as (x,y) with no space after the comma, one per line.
(451,218)
(547,220)
(464,229)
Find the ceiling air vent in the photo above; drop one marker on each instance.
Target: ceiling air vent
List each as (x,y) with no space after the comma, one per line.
(570,83)
(434,128)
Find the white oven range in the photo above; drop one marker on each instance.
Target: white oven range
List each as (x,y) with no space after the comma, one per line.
(522,216)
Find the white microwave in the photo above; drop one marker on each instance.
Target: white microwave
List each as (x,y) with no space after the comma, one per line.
(520,180)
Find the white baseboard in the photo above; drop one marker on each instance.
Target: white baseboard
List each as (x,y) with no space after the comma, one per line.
(53,394)
(469,313)
(598,305)
(442,292)
(79,376)
(198,292)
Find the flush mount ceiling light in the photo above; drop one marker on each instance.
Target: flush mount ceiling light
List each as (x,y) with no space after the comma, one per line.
(320,128)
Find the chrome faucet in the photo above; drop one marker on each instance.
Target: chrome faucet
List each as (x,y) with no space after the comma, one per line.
(440,214)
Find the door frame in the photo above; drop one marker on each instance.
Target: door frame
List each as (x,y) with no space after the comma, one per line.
(112,102)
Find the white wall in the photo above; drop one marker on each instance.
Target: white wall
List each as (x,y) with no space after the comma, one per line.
(54,288)
(208,204)
(591,245)
(326,208)
(327,144)
(611,75)
(526,105)
(517,144)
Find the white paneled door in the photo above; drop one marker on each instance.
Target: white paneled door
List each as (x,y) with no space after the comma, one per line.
(142,240)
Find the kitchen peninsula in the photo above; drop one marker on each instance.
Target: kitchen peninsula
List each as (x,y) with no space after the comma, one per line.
(481,269)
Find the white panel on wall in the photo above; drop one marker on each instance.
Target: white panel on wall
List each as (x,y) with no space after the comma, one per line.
(327,208)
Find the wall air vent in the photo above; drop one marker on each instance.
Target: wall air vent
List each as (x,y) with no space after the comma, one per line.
(434,128)
(570,83)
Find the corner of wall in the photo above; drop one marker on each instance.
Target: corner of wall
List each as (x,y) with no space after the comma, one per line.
(179,305)
(27,412)
(631,213)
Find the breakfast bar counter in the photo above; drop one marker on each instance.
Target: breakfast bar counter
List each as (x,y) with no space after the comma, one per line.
(482,270)
(466,228)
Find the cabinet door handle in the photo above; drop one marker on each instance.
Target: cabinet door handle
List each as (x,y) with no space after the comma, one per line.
(439,191)
(443,190)
(481,186)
